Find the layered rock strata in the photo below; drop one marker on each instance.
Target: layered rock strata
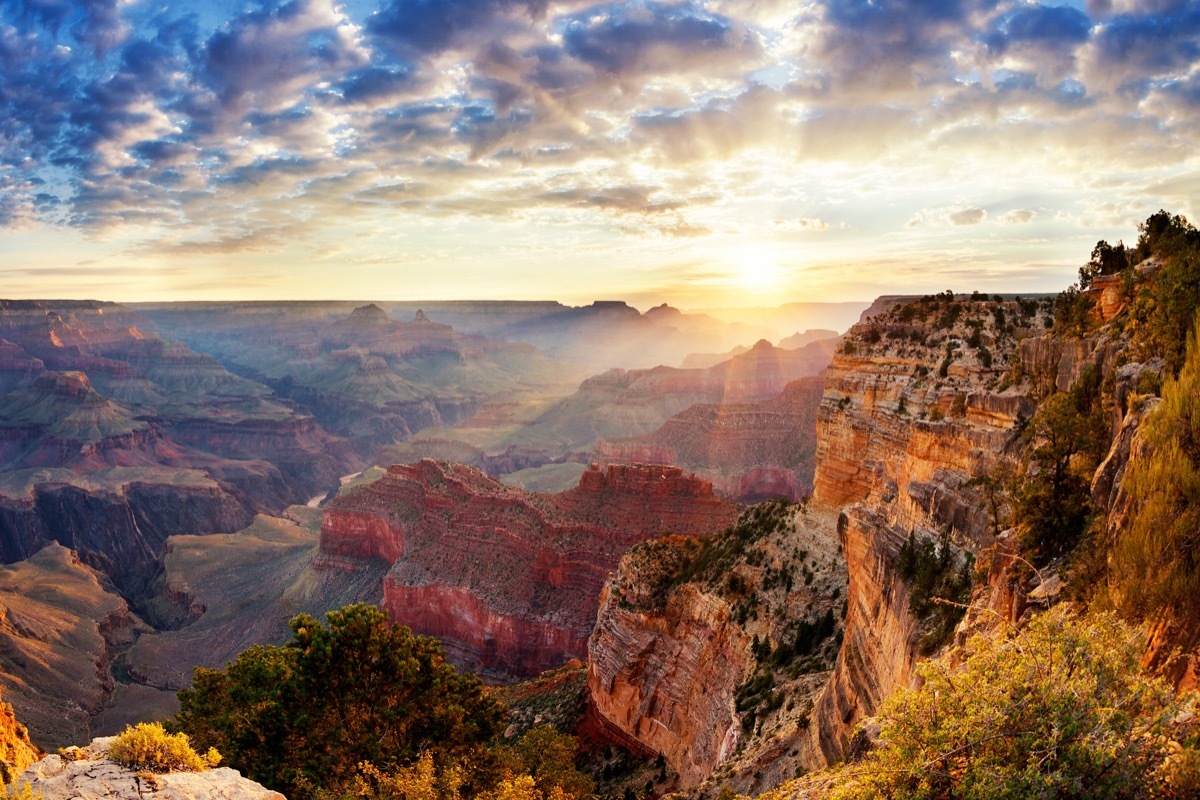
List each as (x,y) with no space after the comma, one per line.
(508,579)
(697,646)
(914,408)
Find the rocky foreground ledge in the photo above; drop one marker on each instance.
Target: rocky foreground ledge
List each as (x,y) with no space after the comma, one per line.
(91,775)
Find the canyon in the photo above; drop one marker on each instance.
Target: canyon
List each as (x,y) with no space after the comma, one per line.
(742,645)
(166,450)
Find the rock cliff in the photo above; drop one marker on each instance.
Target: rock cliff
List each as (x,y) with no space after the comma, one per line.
(508,579)
(710,652)
(921,400)
(16,751)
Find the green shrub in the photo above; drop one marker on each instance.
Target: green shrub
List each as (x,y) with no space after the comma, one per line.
(1156,562)
(148,746)
(301,718)
(1060,710)
(934,577)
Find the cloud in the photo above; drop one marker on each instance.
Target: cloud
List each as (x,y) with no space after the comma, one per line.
(657,38)
(202,132)
(1048,26)
(1018,216)
(968,216)
(96,23)
(800,224)
(421,28)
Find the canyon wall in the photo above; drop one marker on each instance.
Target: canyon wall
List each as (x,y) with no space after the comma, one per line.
(508,579)
(921,402)
(698,644)
(912,412)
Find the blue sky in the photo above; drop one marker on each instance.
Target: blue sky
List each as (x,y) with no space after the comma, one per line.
(700,153)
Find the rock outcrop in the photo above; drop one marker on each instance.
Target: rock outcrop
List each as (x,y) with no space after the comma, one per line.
(92,774)
(698,644)
(508,579)
(920,400)
(16,751)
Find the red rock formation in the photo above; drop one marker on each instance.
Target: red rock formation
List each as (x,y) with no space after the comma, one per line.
(509,579)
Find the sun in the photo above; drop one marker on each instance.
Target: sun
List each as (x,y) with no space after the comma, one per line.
(758,269)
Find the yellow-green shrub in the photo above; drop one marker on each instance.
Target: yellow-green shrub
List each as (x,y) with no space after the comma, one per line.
(1059,710)
(147,746)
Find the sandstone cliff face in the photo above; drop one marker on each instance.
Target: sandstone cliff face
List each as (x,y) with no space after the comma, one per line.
(507,579)
(697,645)
(16,751)
(911,414)
(919,403)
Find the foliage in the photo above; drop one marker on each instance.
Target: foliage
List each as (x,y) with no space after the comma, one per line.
(304,715)
(21,791)
(421,780)
(715,555)
(1054,503)
(1165,304)
(934,576)
(1156,560)
(548,757)
(148,746)
(1058,710)
(997,488)
(1074,312)
(1107,259)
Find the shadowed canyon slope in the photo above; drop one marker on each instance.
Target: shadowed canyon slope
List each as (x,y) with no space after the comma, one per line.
(112,439)
(508,579)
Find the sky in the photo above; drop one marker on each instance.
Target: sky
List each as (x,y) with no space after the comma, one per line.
(709,153)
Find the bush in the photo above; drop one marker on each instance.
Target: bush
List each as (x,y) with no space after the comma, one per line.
(1061,709)
(302,717)
(934,576)
(148,746)
(1156,563)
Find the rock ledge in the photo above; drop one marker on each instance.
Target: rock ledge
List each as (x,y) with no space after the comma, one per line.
(92,775)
